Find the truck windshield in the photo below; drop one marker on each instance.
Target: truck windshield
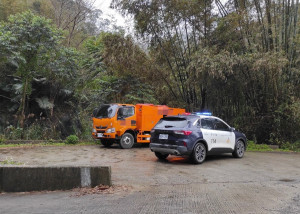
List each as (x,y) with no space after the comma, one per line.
(107,111)
(172,123)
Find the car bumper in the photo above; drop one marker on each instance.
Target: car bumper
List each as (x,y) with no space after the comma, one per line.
(168,149)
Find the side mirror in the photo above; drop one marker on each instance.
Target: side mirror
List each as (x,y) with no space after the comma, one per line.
(232,129)
(120,114)
(95,111)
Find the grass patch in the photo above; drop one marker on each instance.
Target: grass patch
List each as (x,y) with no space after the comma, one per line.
(10,161)
(48,144)
(264,148)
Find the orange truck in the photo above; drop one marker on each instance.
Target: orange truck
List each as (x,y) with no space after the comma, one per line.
(127,124)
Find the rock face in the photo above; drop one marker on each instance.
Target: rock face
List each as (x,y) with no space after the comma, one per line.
(22,179)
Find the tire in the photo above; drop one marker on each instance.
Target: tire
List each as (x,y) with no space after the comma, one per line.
(127,141)
(239,149)
(106,143)
(199,153)
(161,156)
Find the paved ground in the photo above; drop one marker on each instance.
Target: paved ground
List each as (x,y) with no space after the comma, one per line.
(258,183)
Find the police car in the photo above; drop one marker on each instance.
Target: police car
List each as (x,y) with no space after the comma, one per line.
(196,135)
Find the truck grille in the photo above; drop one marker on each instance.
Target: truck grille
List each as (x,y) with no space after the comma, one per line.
(101,127)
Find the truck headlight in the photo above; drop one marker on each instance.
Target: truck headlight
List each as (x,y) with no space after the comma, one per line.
(111,130)
(94,130)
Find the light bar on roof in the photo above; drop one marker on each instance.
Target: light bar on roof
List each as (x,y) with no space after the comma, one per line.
(203,113)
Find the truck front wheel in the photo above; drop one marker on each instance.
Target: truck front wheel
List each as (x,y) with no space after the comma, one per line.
(127,141)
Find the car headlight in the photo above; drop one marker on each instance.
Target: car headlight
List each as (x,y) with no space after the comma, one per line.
(111,130)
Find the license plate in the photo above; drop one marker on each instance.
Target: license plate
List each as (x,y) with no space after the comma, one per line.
(99,135)
(163,136)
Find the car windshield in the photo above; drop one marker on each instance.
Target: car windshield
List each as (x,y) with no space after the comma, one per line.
(107,111)
(172,123)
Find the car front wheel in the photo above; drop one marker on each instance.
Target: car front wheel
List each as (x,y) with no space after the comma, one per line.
(239,150)
(199,153)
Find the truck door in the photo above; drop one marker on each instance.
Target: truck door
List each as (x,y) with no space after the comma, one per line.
(126,117)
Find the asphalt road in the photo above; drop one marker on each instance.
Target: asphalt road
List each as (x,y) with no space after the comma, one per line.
(257,183)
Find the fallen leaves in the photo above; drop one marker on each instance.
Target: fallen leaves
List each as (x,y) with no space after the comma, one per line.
(102,189)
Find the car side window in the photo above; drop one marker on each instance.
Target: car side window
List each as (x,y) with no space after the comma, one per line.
(219,125)
(207,123)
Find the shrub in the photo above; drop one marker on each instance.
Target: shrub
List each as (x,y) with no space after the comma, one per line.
(72,139)
(13,133)
(2,139)
(84,132)
(252,146)
(291,146)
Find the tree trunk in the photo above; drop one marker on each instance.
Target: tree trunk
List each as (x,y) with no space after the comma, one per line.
(23,106)
(270,34)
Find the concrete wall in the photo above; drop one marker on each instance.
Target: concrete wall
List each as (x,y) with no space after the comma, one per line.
(22,179)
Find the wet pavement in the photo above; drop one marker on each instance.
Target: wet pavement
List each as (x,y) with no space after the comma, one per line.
(257,183)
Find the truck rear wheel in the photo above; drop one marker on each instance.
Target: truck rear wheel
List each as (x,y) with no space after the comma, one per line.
(127,141)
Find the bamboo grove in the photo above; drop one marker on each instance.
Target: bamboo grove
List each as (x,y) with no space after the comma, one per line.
(239,59)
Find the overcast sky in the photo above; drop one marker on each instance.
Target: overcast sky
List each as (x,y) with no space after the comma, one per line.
(103,5)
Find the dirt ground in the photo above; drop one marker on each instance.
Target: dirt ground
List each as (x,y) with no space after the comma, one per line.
(257,183)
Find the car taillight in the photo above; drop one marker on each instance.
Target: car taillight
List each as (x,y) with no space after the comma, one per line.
(183,132)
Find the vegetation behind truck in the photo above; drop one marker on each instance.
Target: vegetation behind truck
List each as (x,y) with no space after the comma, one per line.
(127,124)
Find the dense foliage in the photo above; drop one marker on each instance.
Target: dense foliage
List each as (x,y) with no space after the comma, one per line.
(240,60)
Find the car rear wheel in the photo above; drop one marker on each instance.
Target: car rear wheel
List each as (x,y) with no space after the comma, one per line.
(199,153)
(239,150)
(161,156)
(127,141)
(106,142)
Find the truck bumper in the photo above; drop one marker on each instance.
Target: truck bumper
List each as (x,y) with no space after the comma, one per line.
(105,135)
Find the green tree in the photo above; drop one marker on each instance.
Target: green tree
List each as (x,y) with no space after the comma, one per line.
(34,38)
(174,30)
(116,70)
(33,49)
(241,63)
(11,7)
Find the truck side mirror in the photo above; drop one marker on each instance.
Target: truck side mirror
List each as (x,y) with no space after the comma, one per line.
(95,111)
(120,114)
